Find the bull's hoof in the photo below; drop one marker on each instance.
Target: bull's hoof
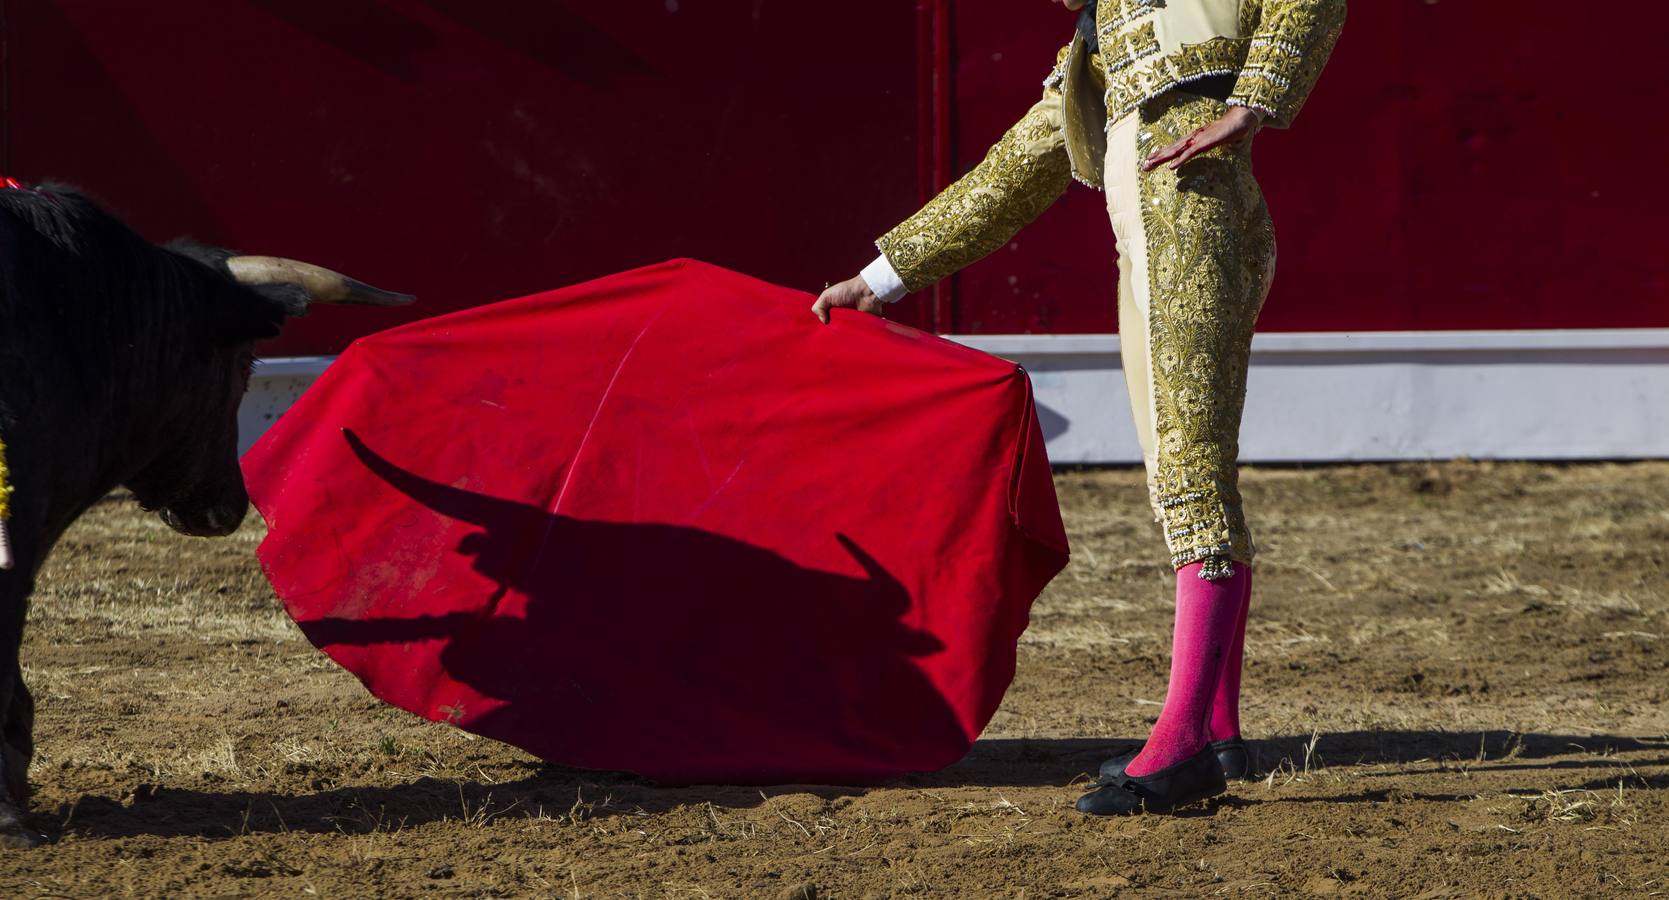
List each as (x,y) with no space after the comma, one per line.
(14,767)
(20,838)
(14,834)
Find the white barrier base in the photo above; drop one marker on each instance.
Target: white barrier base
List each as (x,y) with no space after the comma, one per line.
(1326,397)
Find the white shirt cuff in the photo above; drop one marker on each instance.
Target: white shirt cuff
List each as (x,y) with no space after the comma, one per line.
(883,280)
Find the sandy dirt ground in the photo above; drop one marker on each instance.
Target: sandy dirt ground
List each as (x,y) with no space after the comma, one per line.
(1457,681)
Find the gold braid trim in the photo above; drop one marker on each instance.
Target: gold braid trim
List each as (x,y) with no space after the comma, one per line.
(7,560)
(1287,52)
(1128,90)
(5,485)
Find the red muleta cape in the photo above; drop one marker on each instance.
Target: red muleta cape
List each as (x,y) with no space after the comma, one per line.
(667,523)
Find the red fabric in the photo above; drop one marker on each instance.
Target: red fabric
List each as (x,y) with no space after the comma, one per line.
(667,523)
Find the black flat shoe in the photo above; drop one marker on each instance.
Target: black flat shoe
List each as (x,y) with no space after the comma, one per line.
(1113,769)
(1235,758)
(1199,777)
(1232,753)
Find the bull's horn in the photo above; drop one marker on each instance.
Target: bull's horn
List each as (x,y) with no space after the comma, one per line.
(323,285)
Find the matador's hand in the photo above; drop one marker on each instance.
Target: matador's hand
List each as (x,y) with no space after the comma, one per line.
(1238,124)
(853,293)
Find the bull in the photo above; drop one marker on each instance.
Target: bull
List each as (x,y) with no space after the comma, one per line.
(122,364)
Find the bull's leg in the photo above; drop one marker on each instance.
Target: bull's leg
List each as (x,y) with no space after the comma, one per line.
(17,727)
(19,746)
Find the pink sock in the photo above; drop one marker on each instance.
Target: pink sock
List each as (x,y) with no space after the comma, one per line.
(1225,707)
(1207,613)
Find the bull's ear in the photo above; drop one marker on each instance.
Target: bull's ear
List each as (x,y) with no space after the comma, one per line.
(251,316)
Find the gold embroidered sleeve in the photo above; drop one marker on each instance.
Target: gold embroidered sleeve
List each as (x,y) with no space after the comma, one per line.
(1288,50)
(1020,177)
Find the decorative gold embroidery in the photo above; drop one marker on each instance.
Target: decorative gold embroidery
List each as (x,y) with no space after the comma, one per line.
(5,485)
(1291,40)
(1114,16)
(1250,10)
(1057,75)
(1218,56)
(1282,46)
(6,559)
(1019,178)
(1123,51)
(1211,254)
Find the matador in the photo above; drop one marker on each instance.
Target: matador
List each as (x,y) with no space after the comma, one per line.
(1155,102)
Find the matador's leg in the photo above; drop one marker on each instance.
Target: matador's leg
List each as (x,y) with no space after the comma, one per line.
(1134,294)
(1196,257)
(1209,250)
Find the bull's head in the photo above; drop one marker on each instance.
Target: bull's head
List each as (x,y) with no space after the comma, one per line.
(194,482)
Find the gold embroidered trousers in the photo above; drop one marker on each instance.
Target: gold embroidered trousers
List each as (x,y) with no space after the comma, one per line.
(1196,257)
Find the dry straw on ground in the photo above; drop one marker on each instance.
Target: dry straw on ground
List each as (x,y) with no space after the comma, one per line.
(1458,674)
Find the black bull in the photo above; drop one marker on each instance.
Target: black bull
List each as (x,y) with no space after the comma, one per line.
(122,364)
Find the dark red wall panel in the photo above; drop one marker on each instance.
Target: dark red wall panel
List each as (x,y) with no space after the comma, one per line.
(1458,168)
(1462,165)
(470,151)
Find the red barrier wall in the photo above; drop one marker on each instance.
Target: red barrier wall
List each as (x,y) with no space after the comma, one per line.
(1461,165)
(1456,169)
(470,151)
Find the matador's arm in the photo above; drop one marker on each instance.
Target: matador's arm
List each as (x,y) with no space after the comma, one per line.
(1289,49)
(1020,177)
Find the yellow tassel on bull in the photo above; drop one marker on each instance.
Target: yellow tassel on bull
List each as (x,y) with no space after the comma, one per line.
(5,510)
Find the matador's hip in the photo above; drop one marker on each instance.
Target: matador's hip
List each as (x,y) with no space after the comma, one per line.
(1196,256)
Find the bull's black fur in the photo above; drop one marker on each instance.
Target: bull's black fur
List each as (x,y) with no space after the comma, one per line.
(101,273)
(121,363)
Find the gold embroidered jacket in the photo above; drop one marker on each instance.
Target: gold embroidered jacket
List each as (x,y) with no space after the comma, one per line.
(1275,48)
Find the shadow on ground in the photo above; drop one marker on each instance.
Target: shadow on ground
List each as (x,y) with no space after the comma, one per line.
(574,796)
